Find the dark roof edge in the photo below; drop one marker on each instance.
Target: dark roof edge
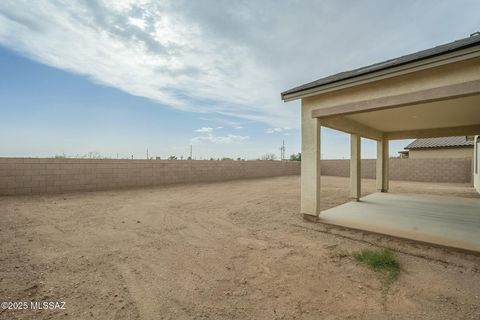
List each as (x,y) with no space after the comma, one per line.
(440,147)
(457,45)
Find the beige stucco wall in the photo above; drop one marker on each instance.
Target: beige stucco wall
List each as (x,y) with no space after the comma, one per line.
(310,168)
(476,164)
(34,176)
(445,75)
(448,153)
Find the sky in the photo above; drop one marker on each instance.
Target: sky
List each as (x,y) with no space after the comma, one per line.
(117,77)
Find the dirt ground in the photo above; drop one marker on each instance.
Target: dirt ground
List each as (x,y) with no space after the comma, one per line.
(230,250)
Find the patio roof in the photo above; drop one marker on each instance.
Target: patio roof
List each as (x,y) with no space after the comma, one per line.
(462,44)
(429,94)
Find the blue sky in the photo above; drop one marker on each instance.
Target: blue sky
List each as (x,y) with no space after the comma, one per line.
(47,112)
(118,77)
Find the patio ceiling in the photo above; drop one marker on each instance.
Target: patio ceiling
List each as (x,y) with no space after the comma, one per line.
(439,114)
(416,115)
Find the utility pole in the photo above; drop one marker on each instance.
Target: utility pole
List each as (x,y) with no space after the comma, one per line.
(147,153)
(191,152)
(282,150)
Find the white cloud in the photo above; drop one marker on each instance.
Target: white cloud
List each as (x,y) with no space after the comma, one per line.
(159,50)
(204,130)
(228,139)
(277,130)
(210,137)
(273,130)
(222,57)
(224,122)
(137,22)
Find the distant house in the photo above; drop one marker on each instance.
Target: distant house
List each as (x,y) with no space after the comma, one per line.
(403,154)
(435,148)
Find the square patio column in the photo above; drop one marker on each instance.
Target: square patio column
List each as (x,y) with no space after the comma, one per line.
(310,177)
(382,165)
(355,167)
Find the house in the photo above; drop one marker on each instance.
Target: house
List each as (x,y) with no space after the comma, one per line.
(427,94)
(476,164)
(439,148)
(403,154)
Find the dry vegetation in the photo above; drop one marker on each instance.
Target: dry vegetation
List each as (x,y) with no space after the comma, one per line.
(232,250)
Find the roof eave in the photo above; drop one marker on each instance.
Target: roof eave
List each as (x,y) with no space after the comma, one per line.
(440,147)
(390,72)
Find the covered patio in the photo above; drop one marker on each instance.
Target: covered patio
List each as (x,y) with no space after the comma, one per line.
(448,221)
(431,93)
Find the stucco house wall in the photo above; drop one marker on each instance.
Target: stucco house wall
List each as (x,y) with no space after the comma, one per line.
(476,164)
(421,80)
(444,153)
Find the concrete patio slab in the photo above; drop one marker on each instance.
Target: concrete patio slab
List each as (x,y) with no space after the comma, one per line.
(446,221)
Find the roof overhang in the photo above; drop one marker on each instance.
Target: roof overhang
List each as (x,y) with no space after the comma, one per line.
(440,148)
(388,72)
(452,110)
(454,91)
(432,93)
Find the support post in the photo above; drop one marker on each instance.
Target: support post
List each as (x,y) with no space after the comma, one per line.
(355,167)
(310,177)
(382,165)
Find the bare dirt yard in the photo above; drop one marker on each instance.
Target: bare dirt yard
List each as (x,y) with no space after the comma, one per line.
(230,250)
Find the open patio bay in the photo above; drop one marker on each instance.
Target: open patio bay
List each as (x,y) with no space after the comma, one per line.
(433,93)
(225,250)
(443,220)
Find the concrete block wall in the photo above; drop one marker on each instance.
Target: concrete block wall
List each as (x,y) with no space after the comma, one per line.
(35,175)
(426,170)
(341,168)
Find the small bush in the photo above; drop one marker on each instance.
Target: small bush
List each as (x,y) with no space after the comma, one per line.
(382,261)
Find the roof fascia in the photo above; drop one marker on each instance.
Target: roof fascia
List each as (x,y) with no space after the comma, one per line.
(407,68)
